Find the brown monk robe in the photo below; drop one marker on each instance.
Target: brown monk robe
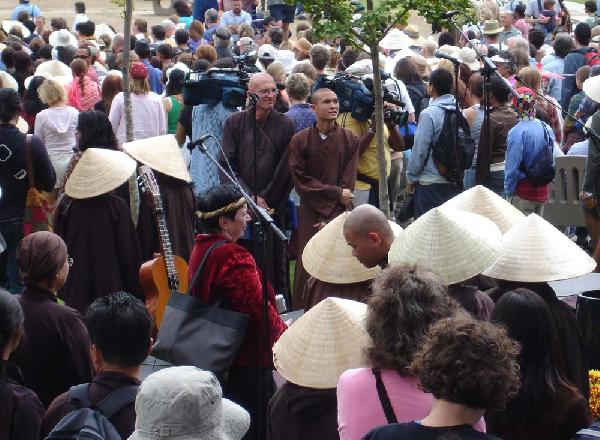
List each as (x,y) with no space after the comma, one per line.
(316,291)
(323,171)
(179,204)
(104,247)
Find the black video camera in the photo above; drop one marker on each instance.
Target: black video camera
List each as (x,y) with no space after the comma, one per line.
(228,86)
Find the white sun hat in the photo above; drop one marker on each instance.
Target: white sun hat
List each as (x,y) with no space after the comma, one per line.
(62,37)
(161,153)
(7,25)
(328,257)
(54,69)
(98,172)
(323,343)
(455,244)
(534,251)
(591,88)
(480,200)
(395,40)
(467,56)
(8,82)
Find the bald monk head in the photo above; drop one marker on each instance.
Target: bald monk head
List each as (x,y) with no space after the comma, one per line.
(264,86)
(369,234)
(325,104)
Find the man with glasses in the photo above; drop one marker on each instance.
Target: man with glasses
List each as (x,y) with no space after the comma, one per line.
(267,178)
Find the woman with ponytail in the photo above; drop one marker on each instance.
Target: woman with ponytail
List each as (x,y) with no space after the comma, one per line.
(83,93)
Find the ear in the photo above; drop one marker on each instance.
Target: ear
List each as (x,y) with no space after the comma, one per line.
(223,222)
(96,356)
(374,238)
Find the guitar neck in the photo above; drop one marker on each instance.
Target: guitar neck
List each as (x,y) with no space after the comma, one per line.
(165,244)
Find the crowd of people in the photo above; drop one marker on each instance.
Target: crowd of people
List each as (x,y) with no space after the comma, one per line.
(438,322)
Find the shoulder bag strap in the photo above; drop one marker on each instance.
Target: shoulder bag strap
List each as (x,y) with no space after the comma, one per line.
(117,400)
(28,154)
(202,263)
(79,396)
(384,398)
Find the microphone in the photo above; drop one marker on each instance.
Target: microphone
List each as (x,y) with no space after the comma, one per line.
(449,14)
(439,54)
(198,142)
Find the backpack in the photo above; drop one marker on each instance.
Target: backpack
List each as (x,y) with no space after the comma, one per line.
(591,433)
(541,171)
(422,99)
(452,154)
(591,58)
(87,421)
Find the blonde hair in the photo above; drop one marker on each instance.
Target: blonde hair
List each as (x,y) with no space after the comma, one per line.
(277,72)
(139,86)
(52,92)
(531,77)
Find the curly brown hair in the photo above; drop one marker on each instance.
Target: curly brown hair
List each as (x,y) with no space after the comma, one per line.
(406,300)
(468,362)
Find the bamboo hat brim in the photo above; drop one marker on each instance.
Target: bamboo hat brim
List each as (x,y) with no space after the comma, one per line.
(591,88)
(480,200)
(534,251)
(161,153)
(98,172)
(323,343)
(457,245)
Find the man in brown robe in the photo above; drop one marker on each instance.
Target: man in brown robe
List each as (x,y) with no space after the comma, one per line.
(323,163)
(268,178)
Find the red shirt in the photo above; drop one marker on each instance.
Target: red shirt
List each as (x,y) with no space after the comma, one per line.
(231,271)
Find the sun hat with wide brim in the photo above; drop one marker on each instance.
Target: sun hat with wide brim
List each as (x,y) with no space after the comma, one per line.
(534,251)
(54,69)
(328,257)
(480,200)
(591,88)
(455,244)
(161,153)
(323,343)
(491,27)
(61,38)
(395,40)
(7,25)
(415,37)
(186,403)
(468,56)
(8,82)
(98,172)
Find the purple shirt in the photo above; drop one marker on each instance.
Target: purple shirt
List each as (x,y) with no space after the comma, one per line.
(302,115)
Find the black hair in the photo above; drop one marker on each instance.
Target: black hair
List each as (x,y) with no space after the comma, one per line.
(446,38)
(520,10)
(120,326)
(10,104)
(276,36)
(182,8)
(175,83)
(29,24)
(224,63)
(32,104)
(8,57)
(165,50)
(201,65)
(86,28)
(11,317)
(498,89)
(536,37)
(583,34)
(45,52)
(528,320)
(80,7)
(590,6)
(142,49)
(158,32)
(441,80)
(215,198)
(95,131)
(65,54)
(563,45)
(182,36)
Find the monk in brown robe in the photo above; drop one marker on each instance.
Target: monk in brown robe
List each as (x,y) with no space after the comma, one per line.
(323,163)
(274,132)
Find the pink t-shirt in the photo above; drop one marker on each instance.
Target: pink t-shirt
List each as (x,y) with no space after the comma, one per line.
(359,408)
(522,26)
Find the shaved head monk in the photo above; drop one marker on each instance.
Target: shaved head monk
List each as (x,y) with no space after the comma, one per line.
(368,232)
(323,163)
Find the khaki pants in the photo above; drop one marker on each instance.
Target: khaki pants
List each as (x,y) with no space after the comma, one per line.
(527,206)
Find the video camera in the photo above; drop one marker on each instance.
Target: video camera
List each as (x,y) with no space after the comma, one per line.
(228,86)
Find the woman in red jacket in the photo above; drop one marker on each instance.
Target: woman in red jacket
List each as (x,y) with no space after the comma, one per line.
(230,271)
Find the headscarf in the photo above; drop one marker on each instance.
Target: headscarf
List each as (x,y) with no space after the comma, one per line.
(40,256)
(524,106)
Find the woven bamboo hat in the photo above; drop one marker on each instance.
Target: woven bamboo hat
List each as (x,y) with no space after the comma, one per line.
(328,257)
(161,153)
(591,87)
(480,200)
(323,343)
(98,172)
(534,251)
(457,245)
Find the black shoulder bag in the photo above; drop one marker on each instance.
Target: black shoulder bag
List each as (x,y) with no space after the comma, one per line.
(384,398)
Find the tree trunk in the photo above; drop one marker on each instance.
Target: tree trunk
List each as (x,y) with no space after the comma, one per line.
(125,69)
(384,201)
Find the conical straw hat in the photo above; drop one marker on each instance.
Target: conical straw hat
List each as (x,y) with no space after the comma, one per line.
(98,172)
(161,153)
(457,245)
(328,257)
(323,343)
(487,203)
(534,251)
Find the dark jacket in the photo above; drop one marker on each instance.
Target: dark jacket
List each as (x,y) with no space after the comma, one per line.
(102,385)
(300,413)
(592,169)
(55,351)
(21,410)
(13,163)
(502,119)
(573,61)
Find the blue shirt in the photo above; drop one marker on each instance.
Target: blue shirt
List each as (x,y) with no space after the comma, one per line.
(524,144)
(229,18)
(32,10)
(154,78)
(302,115)
(555,85)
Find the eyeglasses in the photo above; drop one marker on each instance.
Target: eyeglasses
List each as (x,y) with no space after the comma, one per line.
(267,92)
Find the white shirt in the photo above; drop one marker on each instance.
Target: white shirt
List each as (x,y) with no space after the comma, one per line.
(56,126)
(79,18)
(148,116)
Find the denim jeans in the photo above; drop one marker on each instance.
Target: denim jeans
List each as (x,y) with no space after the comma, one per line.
(12,231)
(494,181)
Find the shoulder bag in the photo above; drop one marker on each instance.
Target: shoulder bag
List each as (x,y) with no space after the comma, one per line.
(38,215)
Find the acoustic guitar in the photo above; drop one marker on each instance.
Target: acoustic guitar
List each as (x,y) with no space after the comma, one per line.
(167,272)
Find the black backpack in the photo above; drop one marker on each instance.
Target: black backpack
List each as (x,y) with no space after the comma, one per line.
(419,99)
(541,171)
(87,421)
(453,154)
